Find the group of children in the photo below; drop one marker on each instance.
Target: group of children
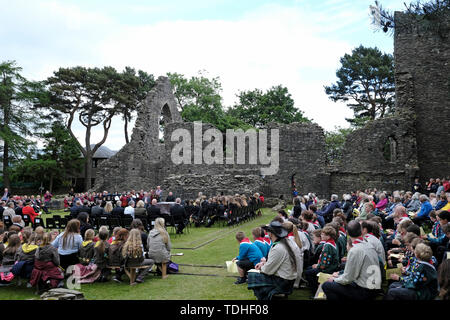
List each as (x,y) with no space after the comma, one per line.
(46,259)
(417,265)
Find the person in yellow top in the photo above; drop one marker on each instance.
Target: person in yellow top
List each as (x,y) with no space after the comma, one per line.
(447,206)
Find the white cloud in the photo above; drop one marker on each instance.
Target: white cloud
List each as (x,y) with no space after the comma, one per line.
(292,46)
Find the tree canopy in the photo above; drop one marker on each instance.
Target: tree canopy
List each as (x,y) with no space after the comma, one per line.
(18,118)
(366,82)
(258,108)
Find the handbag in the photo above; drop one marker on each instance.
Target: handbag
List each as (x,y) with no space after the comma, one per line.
(172,267)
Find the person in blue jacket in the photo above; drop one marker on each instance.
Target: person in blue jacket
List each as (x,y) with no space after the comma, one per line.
(326,215)
(249,256)
(258,237)
(424,212)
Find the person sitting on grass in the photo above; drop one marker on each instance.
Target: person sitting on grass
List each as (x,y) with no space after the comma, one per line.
(421,284)
(328,261)
(46,273)
(423,214)
(278,273)
(114,234)
(361,277)
(249,256)
(371,233)
(258,237)
(317,246)
(86,253)
(444,280)
(133,255)
(25,255)
(438,236)
(115,253)
(296,245)
(101,251)
(13,244)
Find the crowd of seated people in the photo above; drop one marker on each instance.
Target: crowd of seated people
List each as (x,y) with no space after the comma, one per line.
(366,238)
(45,259)
(202,211)
(358,244)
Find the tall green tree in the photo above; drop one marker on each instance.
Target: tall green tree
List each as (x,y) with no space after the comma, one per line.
(366,83)
(59,160)
(258,108)
(132,88)
(199,99)
(334,143)
(88,93)
(18,119)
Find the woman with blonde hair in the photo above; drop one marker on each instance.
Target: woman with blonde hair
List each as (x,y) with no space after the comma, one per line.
(108,208)
(159,246)
(140,210)
(296,245)
(133,254)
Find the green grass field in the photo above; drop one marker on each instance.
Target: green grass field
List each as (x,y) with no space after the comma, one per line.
(213,284)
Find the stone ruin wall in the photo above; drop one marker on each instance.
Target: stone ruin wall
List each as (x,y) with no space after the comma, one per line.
(417,133)
(422,70)
(301,151)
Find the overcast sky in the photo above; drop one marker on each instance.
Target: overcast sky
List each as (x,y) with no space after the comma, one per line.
(247,44)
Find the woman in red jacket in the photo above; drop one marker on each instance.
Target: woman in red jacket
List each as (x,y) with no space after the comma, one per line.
(29,210)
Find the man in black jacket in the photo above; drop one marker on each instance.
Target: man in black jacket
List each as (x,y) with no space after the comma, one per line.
(97,210)
(85,208)
(179,214)
(118,210)
(75,209)
(153,211)
(170,197)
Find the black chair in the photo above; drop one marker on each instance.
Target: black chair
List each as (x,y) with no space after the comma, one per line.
(126,221)
(57,219)
(63,223)
(38,222)
(26,218)
(170,223)
(7,221)
(102,221)
(113,222)
(143,220)
(50,223)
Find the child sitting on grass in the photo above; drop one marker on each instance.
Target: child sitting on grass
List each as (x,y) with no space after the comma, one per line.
(114,233)
(317,246)
(328,261)
(444,280)
(258,237)
(6,276)
(25,255)
(115,253)
(86,253)
(421,284)
(249,256)
(101,251)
